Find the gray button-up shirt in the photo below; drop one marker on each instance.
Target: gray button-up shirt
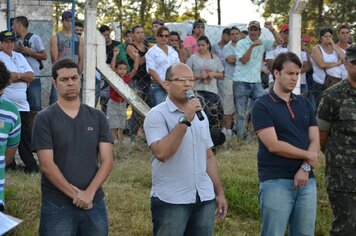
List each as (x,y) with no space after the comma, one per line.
(178,179)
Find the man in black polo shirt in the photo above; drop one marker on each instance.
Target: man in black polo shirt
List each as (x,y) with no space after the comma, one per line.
(288,149)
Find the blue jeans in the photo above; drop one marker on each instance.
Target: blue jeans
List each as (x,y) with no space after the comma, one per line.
(34,95)
(245,94)
(182,219)
(53,95)
(157,94)
(315,95)
(68,220)
(283,205)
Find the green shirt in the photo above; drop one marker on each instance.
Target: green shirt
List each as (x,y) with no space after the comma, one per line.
(10,127)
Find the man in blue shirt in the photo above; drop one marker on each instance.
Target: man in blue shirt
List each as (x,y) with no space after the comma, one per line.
(288,149)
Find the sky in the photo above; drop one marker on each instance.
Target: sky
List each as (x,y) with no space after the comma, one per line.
(232,11)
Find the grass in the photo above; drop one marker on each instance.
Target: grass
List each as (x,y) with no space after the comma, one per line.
(128,187)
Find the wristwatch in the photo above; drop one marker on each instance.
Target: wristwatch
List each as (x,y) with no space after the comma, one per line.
(306,167)
(183,120)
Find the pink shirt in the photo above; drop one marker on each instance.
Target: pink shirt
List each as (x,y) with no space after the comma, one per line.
(191,42)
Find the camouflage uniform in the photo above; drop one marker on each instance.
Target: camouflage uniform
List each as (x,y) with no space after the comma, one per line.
(337,116)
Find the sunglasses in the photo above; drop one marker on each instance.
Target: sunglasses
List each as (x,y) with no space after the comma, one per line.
(164,36)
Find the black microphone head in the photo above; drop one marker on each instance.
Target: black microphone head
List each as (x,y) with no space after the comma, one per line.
(190,94)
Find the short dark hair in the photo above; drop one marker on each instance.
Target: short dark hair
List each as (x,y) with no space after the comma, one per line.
(226,31)
(244,32)
(4,76)
(235,28)
(342,27)
(23,20)
(64,63)
(324,31)
(161,29)
(136,27)
(176,34)
(78,23)
(120,62)
(283,58)
(128,31)
(158,22)
(104,28)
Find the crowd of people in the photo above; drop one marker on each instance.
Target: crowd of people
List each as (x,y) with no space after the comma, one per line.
(240,80)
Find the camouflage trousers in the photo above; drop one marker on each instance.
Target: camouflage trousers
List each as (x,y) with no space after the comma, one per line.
(343,205)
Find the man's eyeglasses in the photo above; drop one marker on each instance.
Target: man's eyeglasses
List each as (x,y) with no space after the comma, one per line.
(164,36)
(183,80)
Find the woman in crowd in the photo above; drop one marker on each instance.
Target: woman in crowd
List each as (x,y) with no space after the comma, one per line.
(207,69)
(141,81)
(176,42)
(327,59)
(158,58)
(190,42)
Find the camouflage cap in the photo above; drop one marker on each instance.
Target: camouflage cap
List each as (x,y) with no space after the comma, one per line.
(351,53)
(255,24)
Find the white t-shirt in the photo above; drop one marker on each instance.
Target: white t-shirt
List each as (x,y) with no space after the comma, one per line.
(16,92)
(271,55)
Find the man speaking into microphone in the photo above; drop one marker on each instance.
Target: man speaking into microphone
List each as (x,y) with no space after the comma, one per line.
(186,187)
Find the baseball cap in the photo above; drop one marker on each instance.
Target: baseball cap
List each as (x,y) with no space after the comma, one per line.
(254,23)
(66,15)
(6,35)
(351,53)
(284,28)
(306,38)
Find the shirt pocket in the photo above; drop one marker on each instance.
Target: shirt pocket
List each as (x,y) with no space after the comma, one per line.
(204,131)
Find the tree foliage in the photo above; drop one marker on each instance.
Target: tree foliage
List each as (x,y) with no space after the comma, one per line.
(132,12)
(318,13)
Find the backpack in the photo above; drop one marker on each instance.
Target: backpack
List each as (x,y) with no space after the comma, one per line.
(26,43)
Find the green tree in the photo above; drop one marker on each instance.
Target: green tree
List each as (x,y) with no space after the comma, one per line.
(318,13)
(132,12)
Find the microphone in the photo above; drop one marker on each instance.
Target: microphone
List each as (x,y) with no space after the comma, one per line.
(191,95)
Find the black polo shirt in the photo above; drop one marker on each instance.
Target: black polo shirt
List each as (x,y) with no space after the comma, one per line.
(291,121)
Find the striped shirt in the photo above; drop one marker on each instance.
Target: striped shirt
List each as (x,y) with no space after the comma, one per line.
(10,128)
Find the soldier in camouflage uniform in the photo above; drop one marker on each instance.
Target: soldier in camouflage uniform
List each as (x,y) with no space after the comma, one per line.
(337,125)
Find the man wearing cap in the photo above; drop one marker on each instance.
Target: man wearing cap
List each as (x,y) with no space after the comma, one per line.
(21,75)
(32,48)
(61,47)
(152,40)
(247,77)
(190,42)
(337,124)
(10,127)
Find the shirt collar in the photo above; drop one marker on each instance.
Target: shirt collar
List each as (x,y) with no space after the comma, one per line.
(171,106)
(276,98)
(347,88)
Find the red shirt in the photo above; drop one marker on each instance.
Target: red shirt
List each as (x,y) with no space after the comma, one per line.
(115,96)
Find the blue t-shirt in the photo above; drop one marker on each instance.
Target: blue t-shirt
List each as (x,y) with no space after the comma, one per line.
(291,121)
